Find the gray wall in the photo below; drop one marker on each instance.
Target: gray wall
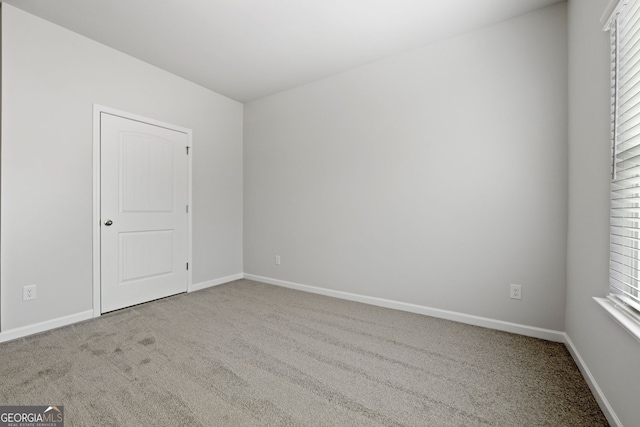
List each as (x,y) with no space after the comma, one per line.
(437,177)
(51,77)
(610,353)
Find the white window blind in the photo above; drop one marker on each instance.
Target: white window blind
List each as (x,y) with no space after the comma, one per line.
(624,275)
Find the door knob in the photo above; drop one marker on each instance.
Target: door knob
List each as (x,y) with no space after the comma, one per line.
(108,222)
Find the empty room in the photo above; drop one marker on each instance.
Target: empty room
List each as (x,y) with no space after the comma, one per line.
(320,213)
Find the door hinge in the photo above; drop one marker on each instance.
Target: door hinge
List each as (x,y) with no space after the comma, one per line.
(187,150)
(187,266)
(187,208)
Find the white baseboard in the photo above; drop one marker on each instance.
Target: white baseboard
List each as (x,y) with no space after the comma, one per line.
(215,282)
(531,331)
(593,385)
(16,333)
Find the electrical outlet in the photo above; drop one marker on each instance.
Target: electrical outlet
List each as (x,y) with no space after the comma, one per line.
(29,292)
(516,292)
(277,259)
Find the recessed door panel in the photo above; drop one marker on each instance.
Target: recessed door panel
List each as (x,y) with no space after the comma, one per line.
(146,173)
(145,255)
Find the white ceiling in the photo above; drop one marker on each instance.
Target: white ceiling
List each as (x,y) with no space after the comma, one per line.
(246,49)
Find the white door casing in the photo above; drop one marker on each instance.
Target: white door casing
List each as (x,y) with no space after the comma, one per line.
(144,183)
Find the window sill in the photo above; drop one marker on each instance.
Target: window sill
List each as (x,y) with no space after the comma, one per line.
(621,314)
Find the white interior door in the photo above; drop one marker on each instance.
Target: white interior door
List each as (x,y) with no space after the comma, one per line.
(144,221)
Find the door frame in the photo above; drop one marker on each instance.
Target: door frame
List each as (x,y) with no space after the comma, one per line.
(97,111)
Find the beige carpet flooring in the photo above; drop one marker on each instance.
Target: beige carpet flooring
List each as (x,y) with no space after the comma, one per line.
(251,354)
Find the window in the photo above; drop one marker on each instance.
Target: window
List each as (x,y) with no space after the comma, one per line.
(624,271)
